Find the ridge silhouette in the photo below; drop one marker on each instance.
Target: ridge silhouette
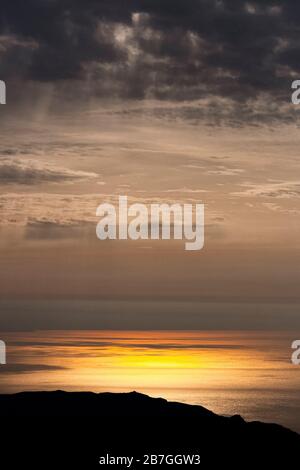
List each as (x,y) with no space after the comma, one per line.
(76,428)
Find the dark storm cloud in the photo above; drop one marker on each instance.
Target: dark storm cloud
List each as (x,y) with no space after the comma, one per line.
(58,38)
(166,49)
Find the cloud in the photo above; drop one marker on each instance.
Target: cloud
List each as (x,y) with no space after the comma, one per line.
(271,206)
(28,368)
(31,172)
(55,229)
(224,171)
(179,51)
(143,343)
(276,190)
(186,191)
(46,216)
(65,210)
(48,211)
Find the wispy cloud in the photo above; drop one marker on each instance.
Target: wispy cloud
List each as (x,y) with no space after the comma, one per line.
(20,368)
(277,190)
(32,172)
(224,171)
(185,190)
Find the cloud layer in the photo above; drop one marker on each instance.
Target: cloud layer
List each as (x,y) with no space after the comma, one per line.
(171,50)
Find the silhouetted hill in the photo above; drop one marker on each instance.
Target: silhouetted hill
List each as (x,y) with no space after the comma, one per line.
(77,428)
(61,403)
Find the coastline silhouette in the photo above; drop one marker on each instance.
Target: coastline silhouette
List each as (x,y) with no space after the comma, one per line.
(78,427)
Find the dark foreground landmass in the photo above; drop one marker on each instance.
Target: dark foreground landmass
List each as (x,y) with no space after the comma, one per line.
(73,430)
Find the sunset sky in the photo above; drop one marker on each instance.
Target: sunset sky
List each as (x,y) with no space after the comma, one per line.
(162,101)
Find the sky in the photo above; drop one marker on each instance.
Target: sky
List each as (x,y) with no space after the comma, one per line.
(162,101)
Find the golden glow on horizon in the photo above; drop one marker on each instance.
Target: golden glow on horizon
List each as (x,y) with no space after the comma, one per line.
(118,360)
(229,372)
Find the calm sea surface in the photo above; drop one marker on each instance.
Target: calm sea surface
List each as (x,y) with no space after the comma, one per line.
(238,372)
